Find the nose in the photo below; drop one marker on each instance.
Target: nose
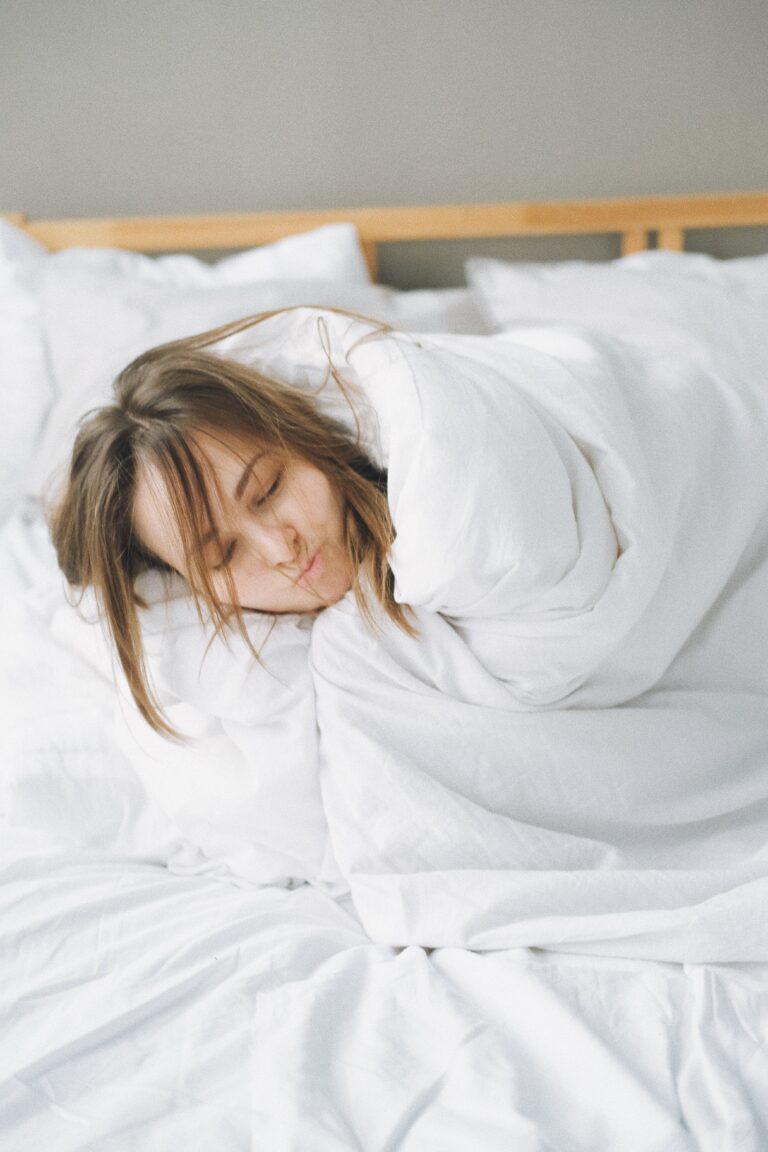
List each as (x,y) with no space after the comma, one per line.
(275,544)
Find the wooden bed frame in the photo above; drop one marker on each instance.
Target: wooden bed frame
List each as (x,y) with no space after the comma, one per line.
(668,217)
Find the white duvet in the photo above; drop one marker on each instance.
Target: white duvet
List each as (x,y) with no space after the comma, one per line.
(574,752)
(572,758)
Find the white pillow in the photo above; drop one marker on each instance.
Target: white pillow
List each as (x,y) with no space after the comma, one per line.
(17,249)
(332,252)
(99,318)
(672,301)
(244,786)
(25,387)
(29,382)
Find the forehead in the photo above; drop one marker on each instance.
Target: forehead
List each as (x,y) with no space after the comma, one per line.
(221,460)
(220,452)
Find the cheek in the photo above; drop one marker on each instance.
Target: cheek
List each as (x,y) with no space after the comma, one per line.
(335,507)
(319,505)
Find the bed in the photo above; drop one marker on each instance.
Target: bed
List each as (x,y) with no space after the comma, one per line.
(168,978)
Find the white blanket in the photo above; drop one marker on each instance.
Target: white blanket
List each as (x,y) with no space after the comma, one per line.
(156,1010)
(149,1011)
(574,753)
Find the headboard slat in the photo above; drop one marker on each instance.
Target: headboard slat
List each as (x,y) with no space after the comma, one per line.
(670,216)
(635,240)
(673,239)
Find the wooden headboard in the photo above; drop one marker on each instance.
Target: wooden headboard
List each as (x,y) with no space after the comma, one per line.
(636,221)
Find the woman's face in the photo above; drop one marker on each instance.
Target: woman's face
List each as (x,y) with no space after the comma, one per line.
(280,524)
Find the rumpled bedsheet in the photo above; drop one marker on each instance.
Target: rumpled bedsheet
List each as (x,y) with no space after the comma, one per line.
(573,754)
(160,989)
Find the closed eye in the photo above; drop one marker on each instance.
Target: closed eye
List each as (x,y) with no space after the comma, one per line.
(272,490)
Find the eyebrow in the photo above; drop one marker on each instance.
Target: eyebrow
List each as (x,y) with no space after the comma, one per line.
(243,481)
(239,489)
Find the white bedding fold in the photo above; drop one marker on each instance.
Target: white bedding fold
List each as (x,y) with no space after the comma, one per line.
(589,769)
(154,1011)
(572,758)
(574,752)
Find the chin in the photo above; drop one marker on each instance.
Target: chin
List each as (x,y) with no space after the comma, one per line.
(339,593)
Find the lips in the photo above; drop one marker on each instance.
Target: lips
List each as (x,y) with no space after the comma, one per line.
(311,569)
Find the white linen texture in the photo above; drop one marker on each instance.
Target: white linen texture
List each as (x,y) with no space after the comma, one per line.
(574,752)
(157,993)
(99,309)
(686,302)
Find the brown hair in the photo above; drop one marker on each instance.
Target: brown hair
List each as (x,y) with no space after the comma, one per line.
(162,399)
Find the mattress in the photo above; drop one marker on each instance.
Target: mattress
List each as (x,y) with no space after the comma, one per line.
(157,990)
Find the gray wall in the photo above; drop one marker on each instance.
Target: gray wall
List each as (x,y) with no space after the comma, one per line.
(151,106)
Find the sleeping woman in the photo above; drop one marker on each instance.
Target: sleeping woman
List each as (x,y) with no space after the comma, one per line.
(517,583)
(238,482)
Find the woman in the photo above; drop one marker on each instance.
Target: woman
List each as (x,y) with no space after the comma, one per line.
(242,484)
(578,528)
